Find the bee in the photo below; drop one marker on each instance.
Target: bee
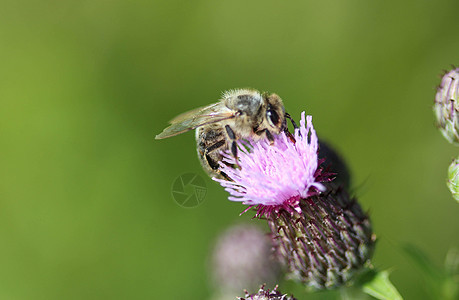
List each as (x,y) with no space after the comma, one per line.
(240,114)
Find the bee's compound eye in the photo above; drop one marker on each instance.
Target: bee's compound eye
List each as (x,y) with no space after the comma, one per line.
(273,117)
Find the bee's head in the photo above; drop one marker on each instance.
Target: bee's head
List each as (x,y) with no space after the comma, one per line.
(275,113)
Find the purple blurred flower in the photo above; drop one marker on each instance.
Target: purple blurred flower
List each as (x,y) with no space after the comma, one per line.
(274,177)
(243,258)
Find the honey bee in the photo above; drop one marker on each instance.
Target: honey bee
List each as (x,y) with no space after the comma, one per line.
(240,114)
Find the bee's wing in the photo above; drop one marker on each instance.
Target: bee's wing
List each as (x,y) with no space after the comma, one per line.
(194,112)
(198,117)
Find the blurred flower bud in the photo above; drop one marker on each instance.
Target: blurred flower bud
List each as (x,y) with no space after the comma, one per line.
(325,244)
(263,294)
(243,259)
(453,179)
(446,106)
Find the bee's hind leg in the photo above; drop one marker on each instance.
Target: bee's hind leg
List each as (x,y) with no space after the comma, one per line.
(210,141)
(211,161)
(232,137)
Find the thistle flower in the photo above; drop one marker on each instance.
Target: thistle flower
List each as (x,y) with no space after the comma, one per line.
(263,294)
(242,258)
(453,179)
(446,106)
(320,234)
(275,177)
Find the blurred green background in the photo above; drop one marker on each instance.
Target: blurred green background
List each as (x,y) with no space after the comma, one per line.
(86,210)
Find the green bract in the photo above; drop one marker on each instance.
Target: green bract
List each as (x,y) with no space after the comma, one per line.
(453,179)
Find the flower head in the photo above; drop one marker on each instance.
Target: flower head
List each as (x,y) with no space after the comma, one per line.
(275,176)
(320,234)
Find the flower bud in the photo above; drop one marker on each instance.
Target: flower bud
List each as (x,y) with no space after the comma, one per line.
(446,106)
(453,179)
(266,294)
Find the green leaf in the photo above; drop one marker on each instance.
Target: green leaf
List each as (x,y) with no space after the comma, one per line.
(378,285)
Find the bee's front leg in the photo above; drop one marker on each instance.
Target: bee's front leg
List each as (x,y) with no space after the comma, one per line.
(287,115)
(287,132)
(268,134)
